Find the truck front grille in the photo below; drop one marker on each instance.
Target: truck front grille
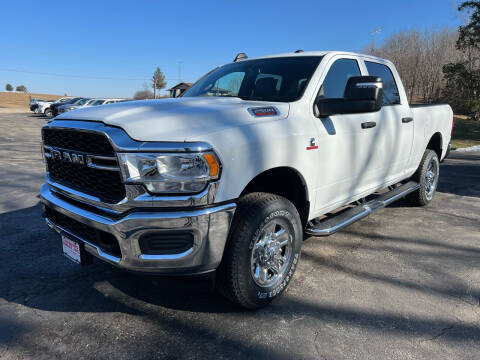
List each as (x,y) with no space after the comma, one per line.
(82,141)
(105,184)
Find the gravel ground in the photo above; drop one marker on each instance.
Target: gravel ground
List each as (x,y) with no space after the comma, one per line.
(403,283)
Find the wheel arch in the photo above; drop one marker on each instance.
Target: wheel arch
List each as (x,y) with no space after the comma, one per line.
(283,181)
(436,144)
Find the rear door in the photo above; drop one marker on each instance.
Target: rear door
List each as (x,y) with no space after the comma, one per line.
(395,122)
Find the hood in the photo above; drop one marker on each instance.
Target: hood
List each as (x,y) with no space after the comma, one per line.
(179,119)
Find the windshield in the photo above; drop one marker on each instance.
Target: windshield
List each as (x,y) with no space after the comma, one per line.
(81,101)
(72,100)
(274,79)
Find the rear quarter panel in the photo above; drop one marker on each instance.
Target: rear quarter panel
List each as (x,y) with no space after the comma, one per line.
(428,120)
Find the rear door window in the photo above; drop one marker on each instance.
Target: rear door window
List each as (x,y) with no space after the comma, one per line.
(391,96)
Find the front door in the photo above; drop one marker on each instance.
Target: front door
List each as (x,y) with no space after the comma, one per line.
(347,143)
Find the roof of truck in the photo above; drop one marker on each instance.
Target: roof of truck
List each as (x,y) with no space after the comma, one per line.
(317,53)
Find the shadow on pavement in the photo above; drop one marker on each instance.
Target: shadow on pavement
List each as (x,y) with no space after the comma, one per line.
(34,273)
(460,174)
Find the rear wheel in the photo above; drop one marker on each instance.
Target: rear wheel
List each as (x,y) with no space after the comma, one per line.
(427,176)
(48,112)
(262,251)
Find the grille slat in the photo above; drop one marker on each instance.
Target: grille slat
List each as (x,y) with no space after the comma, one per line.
(104,184)
(82,141)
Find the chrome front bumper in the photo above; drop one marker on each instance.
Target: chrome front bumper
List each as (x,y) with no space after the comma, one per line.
(209,226)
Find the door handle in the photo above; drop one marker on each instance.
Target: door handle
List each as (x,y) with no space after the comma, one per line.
(407,119)
(369,124)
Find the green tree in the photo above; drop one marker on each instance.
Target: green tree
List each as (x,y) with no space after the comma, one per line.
(9,87)
(463,78)
(21,88)
(469,34)
(158,81)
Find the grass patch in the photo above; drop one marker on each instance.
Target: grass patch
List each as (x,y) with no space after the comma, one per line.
(466,132)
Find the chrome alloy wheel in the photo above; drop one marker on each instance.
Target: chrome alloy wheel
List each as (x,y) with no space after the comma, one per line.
(431,176)
(271,254)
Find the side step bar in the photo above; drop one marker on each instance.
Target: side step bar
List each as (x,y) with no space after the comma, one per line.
(333,224)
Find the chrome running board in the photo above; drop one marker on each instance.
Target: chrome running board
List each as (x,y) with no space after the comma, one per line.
(331,225)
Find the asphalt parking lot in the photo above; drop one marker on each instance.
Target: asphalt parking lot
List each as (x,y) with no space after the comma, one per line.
(403,283)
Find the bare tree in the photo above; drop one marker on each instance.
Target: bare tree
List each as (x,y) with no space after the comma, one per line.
(419,58)
(438,49)
(143,94)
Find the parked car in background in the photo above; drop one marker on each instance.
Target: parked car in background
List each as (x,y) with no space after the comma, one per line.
(39,105)
(97,102)
(69,107)
(105,101)
(112,101)
(85,103)
(54,107)
(34,103)
(44,106)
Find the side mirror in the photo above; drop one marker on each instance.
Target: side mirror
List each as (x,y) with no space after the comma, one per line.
(362,94)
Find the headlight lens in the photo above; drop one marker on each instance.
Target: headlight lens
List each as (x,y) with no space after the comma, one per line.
(170,173)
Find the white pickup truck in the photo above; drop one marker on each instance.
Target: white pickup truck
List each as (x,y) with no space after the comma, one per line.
(231,176)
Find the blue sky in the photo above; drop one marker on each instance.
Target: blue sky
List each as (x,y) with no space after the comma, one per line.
(122,40)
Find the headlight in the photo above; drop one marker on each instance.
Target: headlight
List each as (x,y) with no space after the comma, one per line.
(71,108)
(170,173)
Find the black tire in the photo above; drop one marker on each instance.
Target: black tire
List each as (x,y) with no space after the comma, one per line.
(424,195)
(235,276)
(48,112)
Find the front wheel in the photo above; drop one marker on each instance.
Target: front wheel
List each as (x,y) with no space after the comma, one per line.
(48,112)
(427,176)
(262,251)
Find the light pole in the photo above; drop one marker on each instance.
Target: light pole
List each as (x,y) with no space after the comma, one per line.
(180,71)
(373,33)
